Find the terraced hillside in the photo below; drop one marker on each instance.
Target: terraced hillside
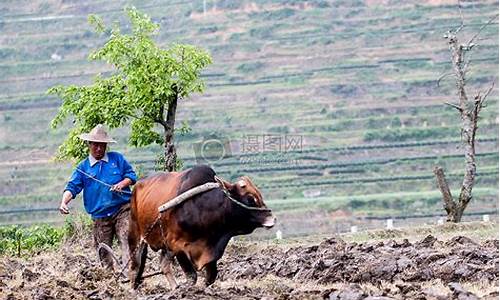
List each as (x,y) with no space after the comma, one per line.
(326,104)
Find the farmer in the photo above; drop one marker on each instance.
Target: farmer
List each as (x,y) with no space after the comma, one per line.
(105,178)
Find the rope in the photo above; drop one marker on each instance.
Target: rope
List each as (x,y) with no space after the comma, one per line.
(143,240)
(243,205)
(102,182)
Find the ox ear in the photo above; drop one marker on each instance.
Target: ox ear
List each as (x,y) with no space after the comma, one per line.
(225,184)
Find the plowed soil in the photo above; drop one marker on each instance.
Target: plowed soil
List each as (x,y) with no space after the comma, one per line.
(455,268)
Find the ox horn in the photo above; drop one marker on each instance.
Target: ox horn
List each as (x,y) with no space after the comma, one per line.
(242,183)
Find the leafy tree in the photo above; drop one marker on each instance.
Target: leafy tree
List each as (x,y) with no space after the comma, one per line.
(144,89)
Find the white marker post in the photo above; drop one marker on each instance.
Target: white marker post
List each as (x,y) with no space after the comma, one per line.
(440,221)
(390,224)
(486,218)
(354,229)
(279,235)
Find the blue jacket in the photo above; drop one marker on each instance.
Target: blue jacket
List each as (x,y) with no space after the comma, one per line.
(98,200)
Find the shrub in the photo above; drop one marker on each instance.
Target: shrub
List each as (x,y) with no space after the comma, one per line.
(279,129)
(395,135)
(250,67)
(396,122)
(277,14)
(17,240)
(208,30)
(230,4)
(76,225)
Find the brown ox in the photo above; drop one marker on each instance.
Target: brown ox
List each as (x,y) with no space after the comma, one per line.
(195,231)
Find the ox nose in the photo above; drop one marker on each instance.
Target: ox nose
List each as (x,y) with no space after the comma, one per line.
(269,222)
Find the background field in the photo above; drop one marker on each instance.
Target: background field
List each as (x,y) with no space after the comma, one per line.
(353,81)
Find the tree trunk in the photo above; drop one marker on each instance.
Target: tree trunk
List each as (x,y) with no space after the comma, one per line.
(170,152)
(468,132)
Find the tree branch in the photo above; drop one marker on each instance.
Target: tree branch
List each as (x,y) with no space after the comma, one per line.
(481,29)
(155,119)
(461,18)
(161,122)
(454,106)
(488,91)
(442,77)
(479,104)
(161,116)
(448,203)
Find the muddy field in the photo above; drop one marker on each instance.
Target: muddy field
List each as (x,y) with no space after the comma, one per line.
(429,268)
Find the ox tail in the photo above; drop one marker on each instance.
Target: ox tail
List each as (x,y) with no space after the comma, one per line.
(137,246)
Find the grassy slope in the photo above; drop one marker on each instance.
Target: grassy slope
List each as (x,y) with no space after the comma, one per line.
(349,73)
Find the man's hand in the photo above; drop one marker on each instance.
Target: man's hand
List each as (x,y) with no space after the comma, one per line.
(117,187)
(121,185)
(63,208)
(66,198)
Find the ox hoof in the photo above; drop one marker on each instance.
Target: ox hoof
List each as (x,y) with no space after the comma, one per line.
(135,282)
(173,285)
(133,293)
(135,285)
(209,283)
(184,286)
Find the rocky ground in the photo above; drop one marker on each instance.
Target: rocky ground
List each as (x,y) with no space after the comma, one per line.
(430,268)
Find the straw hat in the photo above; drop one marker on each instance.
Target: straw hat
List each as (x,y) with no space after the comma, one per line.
(98,134)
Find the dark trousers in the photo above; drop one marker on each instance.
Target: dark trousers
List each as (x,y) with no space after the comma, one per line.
(105,229)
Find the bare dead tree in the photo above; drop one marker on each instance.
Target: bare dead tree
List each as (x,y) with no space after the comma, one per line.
(469,113)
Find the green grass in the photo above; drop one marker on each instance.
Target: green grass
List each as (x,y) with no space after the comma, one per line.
(24,241)
(16,240)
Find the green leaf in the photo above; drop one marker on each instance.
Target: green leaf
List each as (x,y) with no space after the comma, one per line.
(97,22)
